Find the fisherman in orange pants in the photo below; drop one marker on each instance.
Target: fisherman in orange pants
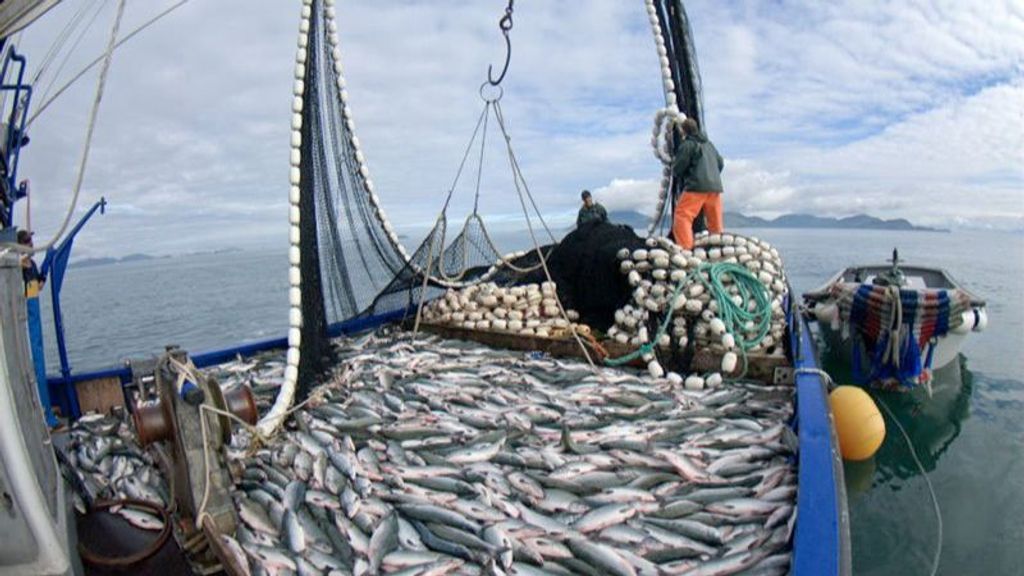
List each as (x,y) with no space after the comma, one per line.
(698,165)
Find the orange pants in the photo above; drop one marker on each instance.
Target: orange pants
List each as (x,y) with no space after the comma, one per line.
(687,208)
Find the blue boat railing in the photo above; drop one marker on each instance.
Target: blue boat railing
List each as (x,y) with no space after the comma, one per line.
(64,392)
(821,545)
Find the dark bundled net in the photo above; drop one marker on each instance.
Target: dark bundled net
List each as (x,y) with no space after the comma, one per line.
(585,267)
(682,55)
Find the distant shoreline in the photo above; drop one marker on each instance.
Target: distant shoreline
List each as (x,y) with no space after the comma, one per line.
(736,220)
(107,260)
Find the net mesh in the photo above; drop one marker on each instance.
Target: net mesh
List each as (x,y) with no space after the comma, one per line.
(352,264)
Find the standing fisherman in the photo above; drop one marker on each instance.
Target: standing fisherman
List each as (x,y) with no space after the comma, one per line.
(698,165)
(33,284)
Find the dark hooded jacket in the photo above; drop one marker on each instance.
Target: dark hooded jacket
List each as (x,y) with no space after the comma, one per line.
(698,165)
(594,213)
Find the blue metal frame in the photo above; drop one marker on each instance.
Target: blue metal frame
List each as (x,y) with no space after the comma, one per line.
(13,136)
(54,266)
(821,543)
(64,394)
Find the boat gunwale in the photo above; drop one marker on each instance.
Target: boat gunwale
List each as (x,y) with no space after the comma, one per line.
(822,291)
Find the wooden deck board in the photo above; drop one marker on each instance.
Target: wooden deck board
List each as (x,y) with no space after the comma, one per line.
(760,367)
(100,395)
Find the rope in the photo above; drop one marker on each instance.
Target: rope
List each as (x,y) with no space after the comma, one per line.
(892,348)
(465,156)
(480,165)
(734,316)
(258,437)
(67,56)
(88,141)
(88,67)
(648,347)
(426,277)
(516,178)
(500,115)
(600,350)
(928,481)
(59,41)
(913,453)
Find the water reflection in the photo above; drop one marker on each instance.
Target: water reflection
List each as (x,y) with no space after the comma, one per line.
(932,423)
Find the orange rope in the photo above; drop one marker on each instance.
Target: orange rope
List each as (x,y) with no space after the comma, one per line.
(595,346)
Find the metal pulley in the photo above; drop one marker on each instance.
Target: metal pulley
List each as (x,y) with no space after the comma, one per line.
(187,428)
(153,421)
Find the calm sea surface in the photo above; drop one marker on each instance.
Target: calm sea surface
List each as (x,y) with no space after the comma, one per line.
(970,436)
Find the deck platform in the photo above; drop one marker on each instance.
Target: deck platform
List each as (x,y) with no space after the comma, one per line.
(765,368)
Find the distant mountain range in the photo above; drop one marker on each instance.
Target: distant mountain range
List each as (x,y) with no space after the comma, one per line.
(106,260)
(89,262)
(736,220)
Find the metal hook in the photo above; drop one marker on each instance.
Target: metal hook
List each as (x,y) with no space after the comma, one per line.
(506,25)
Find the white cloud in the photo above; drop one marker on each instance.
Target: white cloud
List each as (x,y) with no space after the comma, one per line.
(899,109)
(626,194)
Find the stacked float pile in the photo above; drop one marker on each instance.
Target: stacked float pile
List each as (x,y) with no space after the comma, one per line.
(528,310)
(442,457)
(687,285)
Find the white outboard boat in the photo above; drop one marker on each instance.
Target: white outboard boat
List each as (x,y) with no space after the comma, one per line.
(895,324)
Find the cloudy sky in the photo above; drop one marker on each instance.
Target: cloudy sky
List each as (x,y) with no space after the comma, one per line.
(908,109)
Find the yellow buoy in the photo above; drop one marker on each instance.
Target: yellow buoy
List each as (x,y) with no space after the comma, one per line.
(859,424)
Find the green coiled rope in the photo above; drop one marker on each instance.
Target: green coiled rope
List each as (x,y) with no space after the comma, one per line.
(735,316)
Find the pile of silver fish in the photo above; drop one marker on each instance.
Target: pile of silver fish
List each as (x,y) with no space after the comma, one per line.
(103,461)
(425,456)
(656,271)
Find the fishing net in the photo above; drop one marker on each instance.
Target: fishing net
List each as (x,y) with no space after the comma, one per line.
(585,267)
(351,261)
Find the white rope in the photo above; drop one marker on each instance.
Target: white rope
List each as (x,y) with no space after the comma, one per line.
(259,438)
(88,141)
(67,56)
(59,41)
(895,320)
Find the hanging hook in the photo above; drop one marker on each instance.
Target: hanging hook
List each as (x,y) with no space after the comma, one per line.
(506,25)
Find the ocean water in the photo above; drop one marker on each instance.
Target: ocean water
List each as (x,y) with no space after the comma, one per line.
(969,436)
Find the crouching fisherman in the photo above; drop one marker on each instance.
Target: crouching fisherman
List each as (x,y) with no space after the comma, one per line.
(591,211)
(698,165)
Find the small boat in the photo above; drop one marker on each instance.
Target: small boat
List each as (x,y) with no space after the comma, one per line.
(894,324)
